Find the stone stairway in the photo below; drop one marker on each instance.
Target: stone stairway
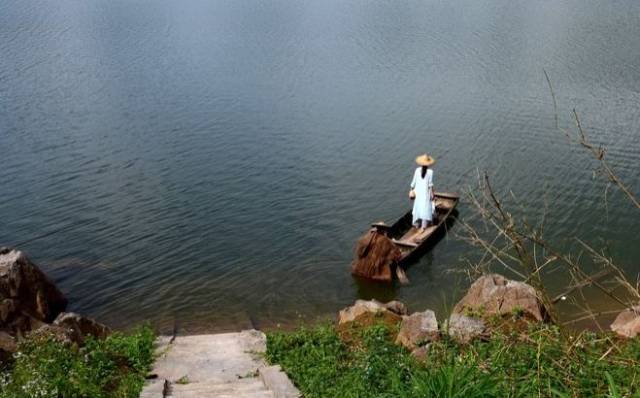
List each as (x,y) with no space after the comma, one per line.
(217,365)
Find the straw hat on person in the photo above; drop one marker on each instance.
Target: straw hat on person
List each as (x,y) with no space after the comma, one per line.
(425,160)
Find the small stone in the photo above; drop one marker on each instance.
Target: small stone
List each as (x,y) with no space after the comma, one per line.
(397,307)
(81,326)
(363,307)
(7,342)
(421,353)
(364,314)
(627,323)
(418,328)
(56,333)
(7,309)
(464,329)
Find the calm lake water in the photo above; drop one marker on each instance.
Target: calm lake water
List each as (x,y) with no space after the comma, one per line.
(212,162)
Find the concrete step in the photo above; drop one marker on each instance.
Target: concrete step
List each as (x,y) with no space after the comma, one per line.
(241,388)
(223,388)
(219,365)
(254,389)
(219,357)
(216,394)
(275,380)
(152,389)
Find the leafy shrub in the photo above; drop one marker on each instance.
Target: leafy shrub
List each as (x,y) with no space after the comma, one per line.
(114,367)
(539,361)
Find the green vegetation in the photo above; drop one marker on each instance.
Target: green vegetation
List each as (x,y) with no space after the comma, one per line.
(536,360)
(114,367)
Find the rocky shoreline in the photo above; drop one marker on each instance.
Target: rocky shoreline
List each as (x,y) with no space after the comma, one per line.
(491,297)
(31,304)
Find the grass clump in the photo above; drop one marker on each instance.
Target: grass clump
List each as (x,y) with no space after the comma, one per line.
(114,367)
(183,380)
(539,361)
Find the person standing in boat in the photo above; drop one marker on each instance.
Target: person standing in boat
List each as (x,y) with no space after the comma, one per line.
(422,192)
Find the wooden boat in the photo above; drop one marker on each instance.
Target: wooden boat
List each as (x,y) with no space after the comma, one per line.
(385,250)
(409,240)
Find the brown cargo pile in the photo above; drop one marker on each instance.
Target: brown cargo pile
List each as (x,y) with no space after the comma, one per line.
(375,257)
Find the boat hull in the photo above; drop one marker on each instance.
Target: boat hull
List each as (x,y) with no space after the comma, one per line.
(412,242)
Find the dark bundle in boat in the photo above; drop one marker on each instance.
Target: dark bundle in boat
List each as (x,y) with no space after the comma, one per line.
(375,256)
(385,249)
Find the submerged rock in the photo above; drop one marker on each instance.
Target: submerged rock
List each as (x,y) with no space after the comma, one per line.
(418,329)
(627,323)
(496,295)
(464,329)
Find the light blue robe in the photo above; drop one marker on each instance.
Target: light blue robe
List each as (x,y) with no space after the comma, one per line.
(422,207)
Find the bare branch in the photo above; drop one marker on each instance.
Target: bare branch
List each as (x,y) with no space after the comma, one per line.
(598,152)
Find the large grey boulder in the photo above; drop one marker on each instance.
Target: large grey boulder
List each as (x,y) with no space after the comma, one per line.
(627,323)
(418,329)
(28,299)
(494,294)
(465,329)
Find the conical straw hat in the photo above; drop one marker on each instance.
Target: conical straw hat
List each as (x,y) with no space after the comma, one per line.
(425,160)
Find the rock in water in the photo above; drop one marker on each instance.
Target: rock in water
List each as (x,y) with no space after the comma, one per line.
(28,297)
(496,295)
(627,323)
(80,327)
(418,329)
(464,329)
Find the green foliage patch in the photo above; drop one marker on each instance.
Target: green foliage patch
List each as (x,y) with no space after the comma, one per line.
(114,367)
(540,362)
